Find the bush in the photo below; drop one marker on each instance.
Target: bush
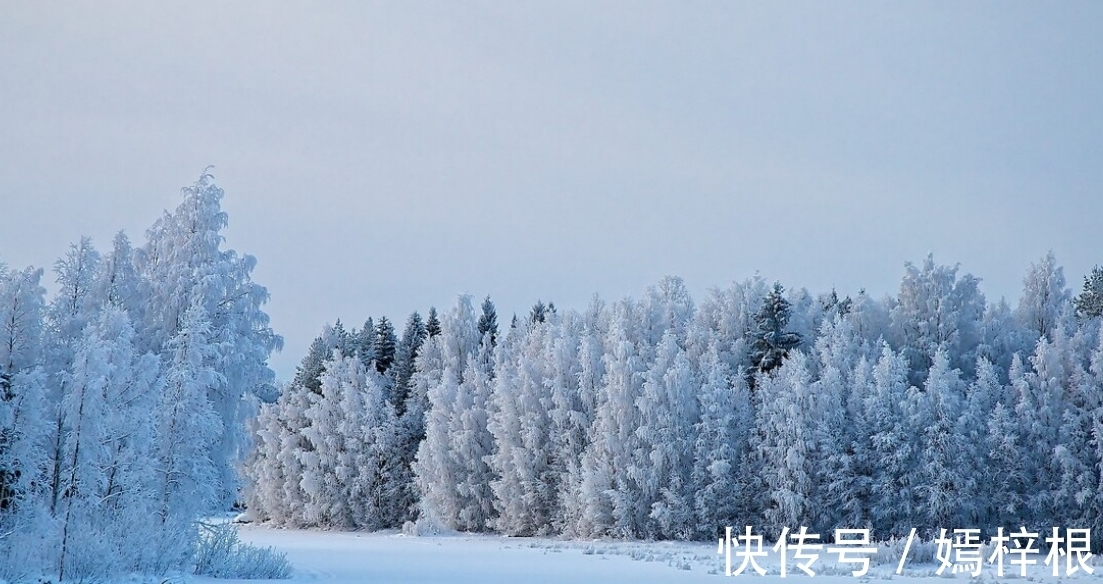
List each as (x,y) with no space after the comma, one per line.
(220,554)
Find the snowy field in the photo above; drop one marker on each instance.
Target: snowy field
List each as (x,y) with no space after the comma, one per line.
(346,558)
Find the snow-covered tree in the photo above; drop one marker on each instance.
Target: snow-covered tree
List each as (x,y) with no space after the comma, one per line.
(893,448)
(771,340)
(726,420)
(937,310)
(946,480)
(1089,303)
(1044,297)
(184,263)
(104,472)
(186,438)
(785,443)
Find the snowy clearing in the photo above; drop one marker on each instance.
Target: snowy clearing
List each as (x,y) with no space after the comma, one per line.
(327,557)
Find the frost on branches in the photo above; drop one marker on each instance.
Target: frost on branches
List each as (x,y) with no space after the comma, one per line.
(663,418)
(122,399)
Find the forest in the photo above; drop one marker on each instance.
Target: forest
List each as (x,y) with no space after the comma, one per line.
(663,418)
(137,401)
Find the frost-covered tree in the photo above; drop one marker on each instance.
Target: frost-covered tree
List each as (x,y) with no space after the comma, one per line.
(893,448)
(1044,298)
(351,431)
(668,417)
(946,480)
(837,420)
(184,263)
(186,439)
(525,484)
(118,282)
(785,443)
(721,442)
(613,496)
(24,421)
(937,310)
(105,478)
(452,474)
(571,413)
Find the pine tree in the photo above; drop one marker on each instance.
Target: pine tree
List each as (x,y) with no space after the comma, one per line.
(432,324)
(539,312)
(365,343)
(406,354)
(770,341)
(385,342)
(1089,303)
(488,322)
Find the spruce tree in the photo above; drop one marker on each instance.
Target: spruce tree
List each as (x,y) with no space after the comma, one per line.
(770,342)
(385,342)
(488,322)
(365,343)
(432,324)
(539,312)
(1089,304)
(405,358)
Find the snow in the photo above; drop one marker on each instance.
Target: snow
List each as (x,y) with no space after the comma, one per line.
(330,557)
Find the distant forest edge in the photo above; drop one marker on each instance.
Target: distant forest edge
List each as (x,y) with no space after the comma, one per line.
(668,419)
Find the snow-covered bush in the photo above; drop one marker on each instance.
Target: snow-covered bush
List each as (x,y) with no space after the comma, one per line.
(221,554)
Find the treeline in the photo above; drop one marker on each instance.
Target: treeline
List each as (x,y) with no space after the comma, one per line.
(123,397)
(665,418)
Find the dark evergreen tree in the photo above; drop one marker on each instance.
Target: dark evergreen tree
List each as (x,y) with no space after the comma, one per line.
(405,359)
(488,322)
(309,372)
(770,342)
(432,324)
(1089,303)
(539,312)
(365,344)
(385,343)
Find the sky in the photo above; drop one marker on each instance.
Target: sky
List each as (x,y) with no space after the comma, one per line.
(380,158)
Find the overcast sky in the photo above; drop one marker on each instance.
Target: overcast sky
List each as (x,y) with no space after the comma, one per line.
(381,158)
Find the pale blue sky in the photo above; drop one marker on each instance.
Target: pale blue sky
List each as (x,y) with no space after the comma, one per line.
(383,157)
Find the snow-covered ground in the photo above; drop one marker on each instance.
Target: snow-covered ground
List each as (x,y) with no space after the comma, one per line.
(325,557)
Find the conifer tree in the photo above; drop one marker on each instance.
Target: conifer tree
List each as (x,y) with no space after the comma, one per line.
(770,341)
(1089,303)
(432,323)
(385,342)
(365,343)
(488,322)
